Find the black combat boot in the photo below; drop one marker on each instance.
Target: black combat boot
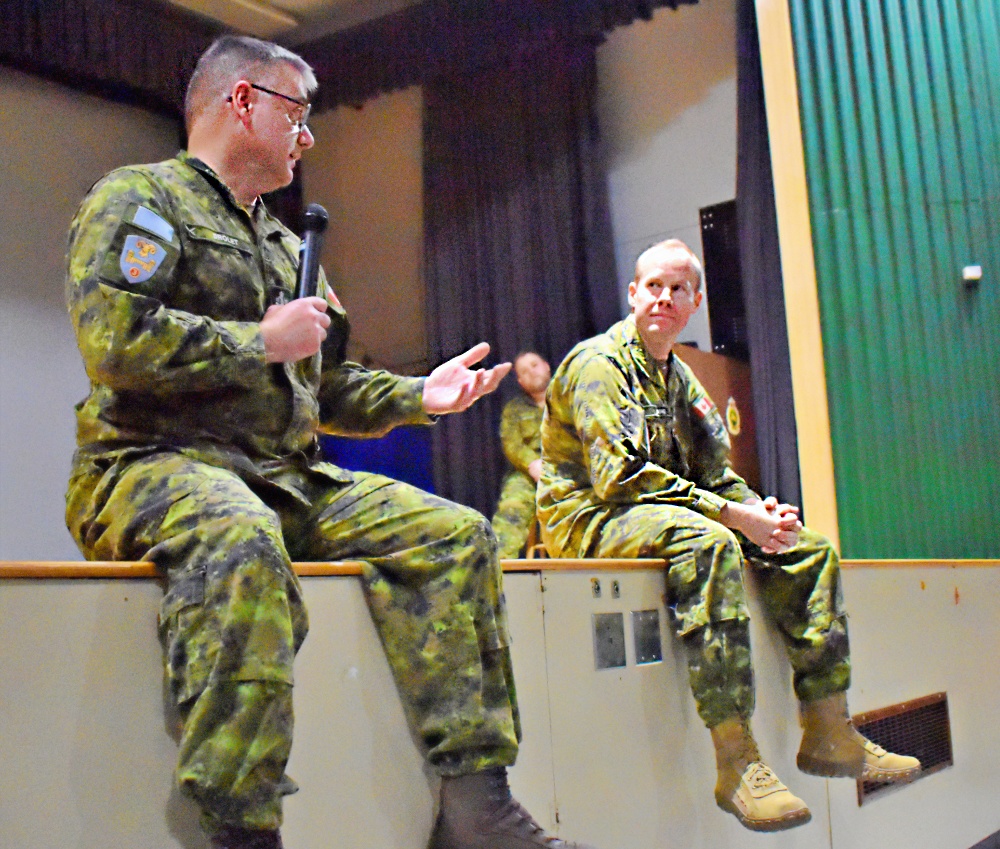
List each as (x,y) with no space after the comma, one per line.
(233,837)
(477,811)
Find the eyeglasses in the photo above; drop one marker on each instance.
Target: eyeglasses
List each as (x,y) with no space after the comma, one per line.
(298,124)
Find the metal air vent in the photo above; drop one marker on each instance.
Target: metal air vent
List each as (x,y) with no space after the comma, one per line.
(919,727)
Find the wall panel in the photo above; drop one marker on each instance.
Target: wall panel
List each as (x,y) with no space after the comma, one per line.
(900,108)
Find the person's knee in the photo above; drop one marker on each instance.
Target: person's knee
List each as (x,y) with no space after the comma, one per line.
(706,535)
(474,530)
(814,540)
(230,536)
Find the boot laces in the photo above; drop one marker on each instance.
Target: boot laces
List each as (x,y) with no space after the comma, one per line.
(761,776)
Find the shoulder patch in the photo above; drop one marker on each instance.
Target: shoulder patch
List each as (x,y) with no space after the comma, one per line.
(703,406)
(331,297)
(140,258)
(733,418)
(149,220)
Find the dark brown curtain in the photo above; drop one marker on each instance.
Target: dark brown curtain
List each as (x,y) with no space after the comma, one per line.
(760,266)
(518,247)
(134,51)
(140,52)
(435,38)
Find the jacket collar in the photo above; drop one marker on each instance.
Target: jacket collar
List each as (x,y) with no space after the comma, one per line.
(644,362)
(265,223)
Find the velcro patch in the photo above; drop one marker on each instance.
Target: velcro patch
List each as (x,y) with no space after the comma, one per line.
(149,220)
(331,297)
(140,258)
(703,406)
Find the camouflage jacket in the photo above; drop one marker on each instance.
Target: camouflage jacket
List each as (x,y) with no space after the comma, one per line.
(521,432)
(619,429)
(168,279)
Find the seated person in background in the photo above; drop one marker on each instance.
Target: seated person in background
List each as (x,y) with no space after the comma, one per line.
(635,463)
(520,435)
(198,451)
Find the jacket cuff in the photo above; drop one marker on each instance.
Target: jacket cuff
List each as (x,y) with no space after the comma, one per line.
(412,402)
(709,504)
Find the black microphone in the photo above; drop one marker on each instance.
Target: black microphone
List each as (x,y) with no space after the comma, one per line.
(316,220)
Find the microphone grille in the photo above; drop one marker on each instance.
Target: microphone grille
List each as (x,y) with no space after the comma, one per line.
(316,217)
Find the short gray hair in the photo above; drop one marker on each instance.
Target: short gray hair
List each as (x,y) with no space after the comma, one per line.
(233,56)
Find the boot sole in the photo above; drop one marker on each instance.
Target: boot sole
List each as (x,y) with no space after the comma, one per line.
(790,820)
(896,776)
(866,772)
(828,769)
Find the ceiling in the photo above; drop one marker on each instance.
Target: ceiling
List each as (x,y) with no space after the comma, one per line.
(291,22)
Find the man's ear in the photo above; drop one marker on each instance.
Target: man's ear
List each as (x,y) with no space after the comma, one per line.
(697,298)
(241,99)
(631,294)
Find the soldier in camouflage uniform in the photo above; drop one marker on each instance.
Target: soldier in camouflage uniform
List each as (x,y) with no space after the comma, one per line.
(635,463)
(198,451)
(521,438)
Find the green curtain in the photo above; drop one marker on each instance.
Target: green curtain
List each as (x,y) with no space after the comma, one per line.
(900,108)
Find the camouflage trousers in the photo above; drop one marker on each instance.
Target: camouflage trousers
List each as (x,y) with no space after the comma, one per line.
(232,618)
(514,514)
(800,590)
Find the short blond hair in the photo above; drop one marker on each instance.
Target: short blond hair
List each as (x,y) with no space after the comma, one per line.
(697,275)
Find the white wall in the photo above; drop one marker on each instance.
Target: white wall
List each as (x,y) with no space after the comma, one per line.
(55,144)
(366,169)
(617,757)
(667,110)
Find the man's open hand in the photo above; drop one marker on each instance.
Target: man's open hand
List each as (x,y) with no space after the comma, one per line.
(453,386)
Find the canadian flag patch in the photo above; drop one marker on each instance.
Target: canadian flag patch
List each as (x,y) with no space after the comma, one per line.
(331,297)
(703,406)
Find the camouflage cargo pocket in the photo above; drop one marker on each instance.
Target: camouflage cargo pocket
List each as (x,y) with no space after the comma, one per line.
(181,605)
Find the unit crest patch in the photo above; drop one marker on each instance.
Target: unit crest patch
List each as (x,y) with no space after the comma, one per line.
(140,258)
(733,418)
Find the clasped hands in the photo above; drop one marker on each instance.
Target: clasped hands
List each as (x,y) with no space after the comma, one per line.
(772,526)
(296,330)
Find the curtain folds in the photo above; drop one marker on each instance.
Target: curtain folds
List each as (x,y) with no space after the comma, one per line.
(760,266)
(449,38)
(143,51)
(518,247)
(139,51)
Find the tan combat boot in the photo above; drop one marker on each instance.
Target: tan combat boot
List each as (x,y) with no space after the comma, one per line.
(746,787)
(832,746)
(478,812)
